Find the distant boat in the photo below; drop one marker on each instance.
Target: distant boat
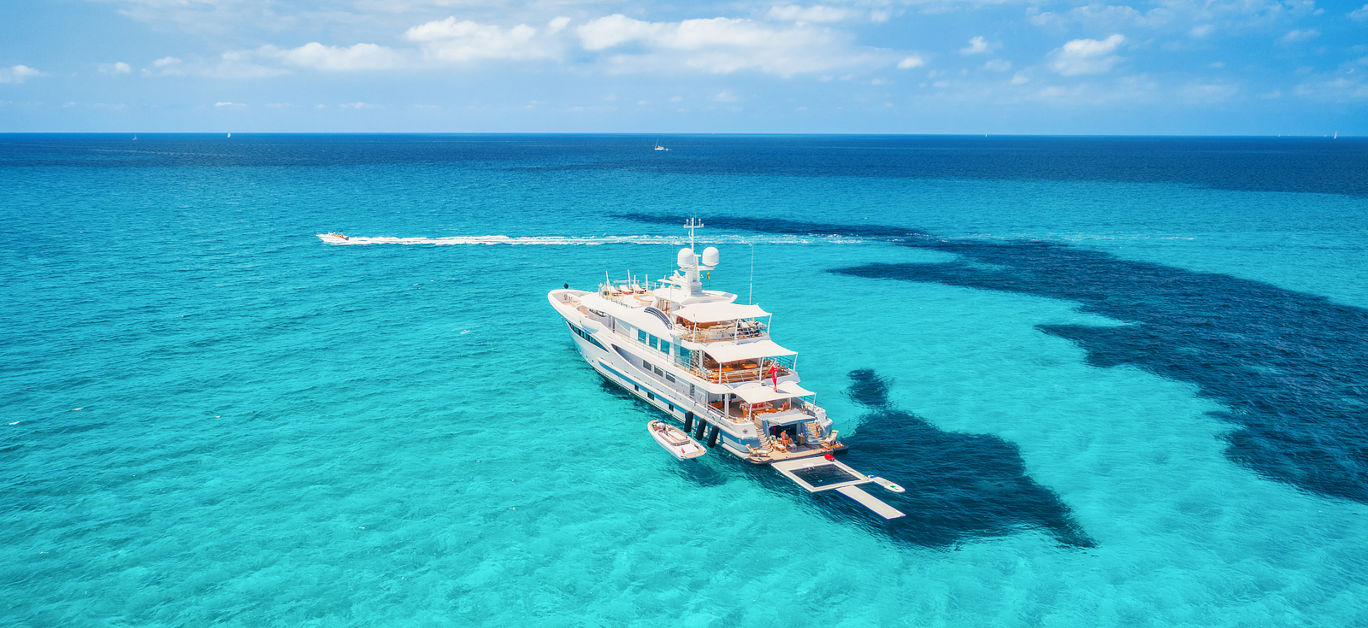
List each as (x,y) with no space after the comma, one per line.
(1336,136)
(332,237)
(659,147)
(230,134)
(135,138)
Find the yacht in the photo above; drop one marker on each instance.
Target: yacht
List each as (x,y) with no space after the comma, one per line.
(333,237)
(708,363)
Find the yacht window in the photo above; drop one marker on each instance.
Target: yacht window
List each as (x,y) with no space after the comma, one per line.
(655,342)
(641,335)
(664,347)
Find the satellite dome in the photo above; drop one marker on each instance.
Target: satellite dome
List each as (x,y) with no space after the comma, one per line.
(710,256)
(686,258)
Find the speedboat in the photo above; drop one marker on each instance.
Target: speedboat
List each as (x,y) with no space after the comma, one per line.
(675,441)
(333,237)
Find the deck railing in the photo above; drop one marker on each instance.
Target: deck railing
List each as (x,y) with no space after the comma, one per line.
(738,331)
(734,376)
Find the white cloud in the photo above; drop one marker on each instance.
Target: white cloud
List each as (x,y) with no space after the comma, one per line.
(977,46)
(615,30)
(1087,56)
(166,66)
(1339,89)
(1102,16)
(17,74)
(1360,13)
(240,64)
(725,96)
(236,64)
(1207,93)
(357,105)
(1347,84)
(463,41)
(1299,35)
(914,61)
(316,56)
(721,46)
(224,104)
(1226,15)
(816,13)
(118,67)
(998,65)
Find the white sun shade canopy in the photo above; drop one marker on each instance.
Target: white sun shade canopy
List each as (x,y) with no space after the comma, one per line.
(759,393)
(794,390)
(718,312)
(763,348)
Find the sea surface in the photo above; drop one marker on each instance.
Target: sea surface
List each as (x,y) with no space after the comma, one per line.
(1124,380)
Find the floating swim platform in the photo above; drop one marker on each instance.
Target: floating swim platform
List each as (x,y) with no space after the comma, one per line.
(817,474)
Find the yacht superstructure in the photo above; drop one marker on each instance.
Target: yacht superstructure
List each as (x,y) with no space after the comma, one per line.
(708,362)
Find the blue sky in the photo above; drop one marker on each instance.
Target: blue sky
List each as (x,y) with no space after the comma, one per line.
(1243,67)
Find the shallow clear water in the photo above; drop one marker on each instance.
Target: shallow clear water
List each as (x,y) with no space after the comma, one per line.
(1121,379)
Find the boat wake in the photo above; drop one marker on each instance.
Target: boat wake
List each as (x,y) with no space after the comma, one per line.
(590,240)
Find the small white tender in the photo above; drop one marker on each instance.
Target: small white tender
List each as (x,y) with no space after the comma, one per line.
(675,441)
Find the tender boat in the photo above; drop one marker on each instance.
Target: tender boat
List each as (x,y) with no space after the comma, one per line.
(675,441)
(708,363)
(333,237)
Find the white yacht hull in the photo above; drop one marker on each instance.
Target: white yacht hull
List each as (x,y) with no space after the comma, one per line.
(605,354)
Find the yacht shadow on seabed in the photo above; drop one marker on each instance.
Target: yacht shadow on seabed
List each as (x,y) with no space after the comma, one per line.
(959,486)
(1288,366)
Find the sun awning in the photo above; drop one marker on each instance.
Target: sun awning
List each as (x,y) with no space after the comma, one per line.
(730,352)
(754,393)
(718,312)
(794,390)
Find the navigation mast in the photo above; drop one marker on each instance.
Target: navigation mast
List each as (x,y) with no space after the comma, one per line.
(691,224)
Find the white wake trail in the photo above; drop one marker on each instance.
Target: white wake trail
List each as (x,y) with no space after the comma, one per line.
(489,240)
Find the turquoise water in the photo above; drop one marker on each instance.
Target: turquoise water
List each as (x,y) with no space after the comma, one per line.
(1089,360)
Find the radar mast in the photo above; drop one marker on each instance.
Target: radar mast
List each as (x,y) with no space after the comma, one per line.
(691,224)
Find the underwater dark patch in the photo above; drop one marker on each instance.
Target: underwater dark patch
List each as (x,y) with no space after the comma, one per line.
(1291,367)
(959,486)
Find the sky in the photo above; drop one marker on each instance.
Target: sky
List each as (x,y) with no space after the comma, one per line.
(1170,67)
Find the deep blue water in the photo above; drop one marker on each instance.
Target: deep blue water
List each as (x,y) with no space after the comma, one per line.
(1123,380)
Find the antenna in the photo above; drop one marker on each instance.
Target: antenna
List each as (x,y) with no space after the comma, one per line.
(691,224)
